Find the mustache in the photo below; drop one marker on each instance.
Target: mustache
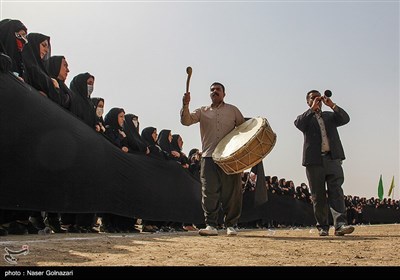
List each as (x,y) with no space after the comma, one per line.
(214,94)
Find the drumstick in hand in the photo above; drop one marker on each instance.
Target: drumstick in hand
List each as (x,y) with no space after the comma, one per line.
(189,75)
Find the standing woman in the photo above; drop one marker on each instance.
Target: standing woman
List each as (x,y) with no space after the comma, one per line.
(149,136)
(135,141)
(81,105)
(114,121)
(164,140)
(12,40)
(98,104)
(35,52)
(177,145)
(58,70)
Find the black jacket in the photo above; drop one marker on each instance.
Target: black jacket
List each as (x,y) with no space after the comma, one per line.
(308,124)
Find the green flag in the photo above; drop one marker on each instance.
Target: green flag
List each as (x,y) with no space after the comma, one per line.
(380,188)
(391,187)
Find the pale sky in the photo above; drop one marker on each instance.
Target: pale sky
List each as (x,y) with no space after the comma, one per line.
(268,54)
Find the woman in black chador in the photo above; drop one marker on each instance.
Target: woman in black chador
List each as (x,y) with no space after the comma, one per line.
(115,132)
(13,38)
(135,141)
(98,104)
(58,70)
(81,104)
(34,53)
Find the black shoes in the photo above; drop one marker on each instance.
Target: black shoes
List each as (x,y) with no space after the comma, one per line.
(340,231)
(344,229)
(55,225)
(323,232)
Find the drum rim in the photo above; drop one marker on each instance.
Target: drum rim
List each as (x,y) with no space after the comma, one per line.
(225,165)
(263,123)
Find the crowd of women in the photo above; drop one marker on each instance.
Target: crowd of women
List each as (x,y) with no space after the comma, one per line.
(28,57)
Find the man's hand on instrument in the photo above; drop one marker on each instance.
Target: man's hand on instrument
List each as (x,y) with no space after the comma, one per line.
(328,102)
(186,98)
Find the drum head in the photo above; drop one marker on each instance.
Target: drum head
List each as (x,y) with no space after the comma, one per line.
(237,138)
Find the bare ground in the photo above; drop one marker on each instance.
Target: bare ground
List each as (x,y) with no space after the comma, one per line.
(377,245)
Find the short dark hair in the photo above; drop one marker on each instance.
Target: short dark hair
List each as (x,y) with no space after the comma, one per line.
(312,91)
(219,84)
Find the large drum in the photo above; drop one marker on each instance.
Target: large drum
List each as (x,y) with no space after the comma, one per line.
(245,146)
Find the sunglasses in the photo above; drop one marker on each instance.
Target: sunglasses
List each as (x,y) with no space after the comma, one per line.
(21,37)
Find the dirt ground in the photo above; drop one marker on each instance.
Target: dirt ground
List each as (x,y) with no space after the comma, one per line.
(377,245)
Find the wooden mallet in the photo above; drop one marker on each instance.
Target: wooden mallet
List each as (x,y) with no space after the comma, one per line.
(189,75)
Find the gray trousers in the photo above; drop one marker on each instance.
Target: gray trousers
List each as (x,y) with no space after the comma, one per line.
(331,196)
(217,188)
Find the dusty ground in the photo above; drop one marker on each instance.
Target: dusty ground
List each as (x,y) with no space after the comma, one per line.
(368,246)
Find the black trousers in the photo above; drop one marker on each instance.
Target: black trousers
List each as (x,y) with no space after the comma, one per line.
(325,182)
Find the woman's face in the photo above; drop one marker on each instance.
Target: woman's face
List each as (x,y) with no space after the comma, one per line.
(154,135)
(121,118)
(43,48)
(90,81)
(62,76)
(100,104)
(180,142)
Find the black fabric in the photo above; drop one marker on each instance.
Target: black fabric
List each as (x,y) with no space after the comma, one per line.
(374,215)
(65,166)
(281,208)
(261,194)
(5,62)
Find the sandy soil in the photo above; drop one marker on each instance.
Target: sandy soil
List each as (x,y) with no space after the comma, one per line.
(377,245)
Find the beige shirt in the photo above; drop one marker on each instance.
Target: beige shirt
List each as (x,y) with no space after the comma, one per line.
(215,123)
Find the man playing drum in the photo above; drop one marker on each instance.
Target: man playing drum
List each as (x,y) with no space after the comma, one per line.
(216,121)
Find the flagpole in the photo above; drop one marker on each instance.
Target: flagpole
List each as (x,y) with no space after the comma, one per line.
(391,188)
(393,191)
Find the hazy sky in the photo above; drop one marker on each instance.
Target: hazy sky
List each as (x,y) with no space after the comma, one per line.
(268,54)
